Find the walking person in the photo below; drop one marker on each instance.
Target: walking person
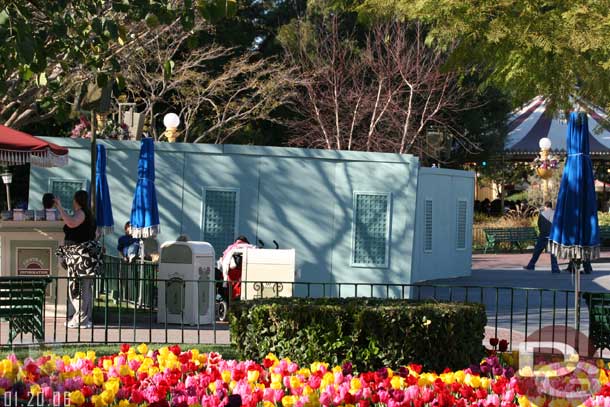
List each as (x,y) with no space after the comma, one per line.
(545,222)
(82,256)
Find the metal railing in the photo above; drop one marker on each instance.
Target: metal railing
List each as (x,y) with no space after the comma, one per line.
(126,307)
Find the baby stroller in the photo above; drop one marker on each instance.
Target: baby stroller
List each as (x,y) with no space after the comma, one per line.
(230,290)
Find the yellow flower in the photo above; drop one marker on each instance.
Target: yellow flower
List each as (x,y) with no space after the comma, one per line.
(304,372)
(390,373)
(523,401)
(195,355)
(124,403)
(143,349)
(76,397)
(473,381)
(88,379)
(35,390)
(447,378)
(97,401)
(396,382)
(459,376)
(212,387)
(327,379)
(252,376)
(315,366)
(112,385)
(98,376)
(107,397)
(603,377)
(268,404)
(426,379)
(91,355)
(295,382)
(273,358)
(485,381)
(125,371)
(289,401)
(107,364)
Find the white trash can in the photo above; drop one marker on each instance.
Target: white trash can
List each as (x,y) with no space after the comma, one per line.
(185,283)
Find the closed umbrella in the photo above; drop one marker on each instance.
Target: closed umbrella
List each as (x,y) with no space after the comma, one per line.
(103,205)
(575,232)
(144,211)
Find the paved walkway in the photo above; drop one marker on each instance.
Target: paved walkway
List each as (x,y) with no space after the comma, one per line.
(522,303)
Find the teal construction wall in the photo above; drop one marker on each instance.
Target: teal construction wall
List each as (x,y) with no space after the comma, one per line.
(302,198)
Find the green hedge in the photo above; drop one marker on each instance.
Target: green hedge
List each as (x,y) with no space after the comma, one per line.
(370,333)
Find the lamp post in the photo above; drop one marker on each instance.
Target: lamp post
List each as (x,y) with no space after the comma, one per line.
(7,178)
(544,171)
(171,121)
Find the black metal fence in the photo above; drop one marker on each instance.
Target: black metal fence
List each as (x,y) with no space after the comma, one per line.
(130,304)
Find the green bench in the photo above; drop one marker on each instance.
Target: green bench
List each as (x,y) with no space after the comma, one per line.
(599,319)
(22,301)
(514,236)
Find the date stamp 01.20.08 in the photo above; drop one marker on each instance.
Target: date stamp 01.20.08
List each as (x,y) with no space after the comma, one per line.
(12,399)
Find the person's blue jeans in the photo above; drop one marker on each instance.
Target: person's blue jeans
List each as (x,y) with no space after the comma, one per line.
(541,244)
(132,250)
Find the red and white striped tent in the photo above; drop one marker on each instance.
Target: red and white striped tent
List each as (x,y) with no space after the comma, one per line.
(528,124)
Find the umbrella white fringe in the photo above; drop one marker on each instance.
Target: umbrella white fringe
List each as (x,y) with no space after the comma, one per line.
(105,230)
(585,253)
(143,233)
(44,158)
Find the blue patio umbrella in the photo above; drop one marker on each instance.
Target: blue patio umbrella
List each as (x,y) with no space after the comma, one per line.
(144,211)
(575,232)
(103,205)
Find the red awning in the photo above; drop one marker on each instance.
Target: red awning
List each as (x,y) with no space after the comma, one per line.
(18,148)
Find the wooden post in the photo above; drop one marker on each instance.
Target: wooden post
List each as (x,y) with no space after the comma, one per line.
(93,162)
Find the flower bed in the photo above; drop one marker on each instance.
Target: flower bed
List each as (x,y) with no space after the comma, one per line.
(172,377)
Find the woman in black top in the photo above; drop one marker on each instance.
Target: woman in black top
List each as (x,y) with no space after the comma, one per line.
(80,227)
(82,256)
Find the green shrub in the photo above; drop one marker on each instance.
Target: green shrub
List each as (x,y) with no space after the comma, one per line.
(370,333)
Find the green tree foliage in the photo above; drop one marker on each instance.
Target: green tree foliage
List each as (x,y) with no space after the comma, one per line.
(49,46)
(528,47)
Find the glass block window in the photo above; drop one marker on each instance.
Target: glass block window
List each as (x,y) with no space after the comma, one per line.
(428,225)
(65,189)
(219,218)
(371,229)
(462,210)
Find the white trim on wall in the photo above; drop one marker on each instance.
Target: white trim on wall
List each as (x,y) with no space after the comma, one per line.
(386,262)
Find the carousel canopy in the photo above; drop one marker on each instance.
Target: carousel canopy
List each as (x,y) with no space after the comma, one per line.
(529,124)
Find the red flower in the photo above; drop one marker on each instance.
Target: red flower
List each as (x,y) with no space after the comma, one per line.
(503,345)
(417,368)
(125,347)
(493,342)
(175,349)
(215,358)
(137,397)
(267,363)
(87,391)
